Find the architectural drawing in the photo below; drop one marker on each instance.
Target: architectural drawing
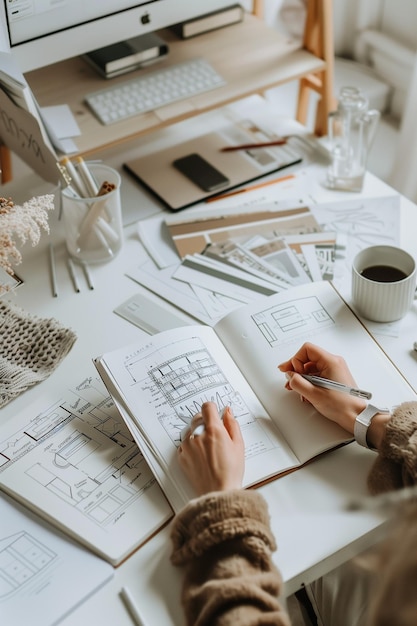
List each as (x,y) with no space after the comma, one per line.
(294,318)
(89,459)
(43,575)
(359,223)
(22,558)
(181,383)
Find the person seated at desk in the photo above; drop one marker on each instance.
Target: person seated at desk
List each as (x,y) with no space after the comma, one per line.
(223,537)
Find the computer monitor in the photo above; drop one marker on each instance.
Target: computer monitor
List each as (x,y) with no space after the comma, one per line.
(42,32)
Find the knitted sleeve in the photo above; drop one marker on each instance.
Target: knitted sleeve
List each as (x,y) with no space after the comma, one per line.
(224,542)
(396,465)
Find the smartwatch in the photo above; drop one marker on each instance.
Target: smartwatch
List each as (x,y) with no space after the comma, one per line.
(363,421)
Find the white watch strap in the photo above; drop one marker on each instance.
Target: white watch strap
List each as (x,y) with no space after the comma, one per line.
(362,423)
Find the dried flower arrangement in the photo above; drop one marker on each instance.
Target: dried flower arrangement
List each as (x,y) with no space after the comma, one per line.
(24,223)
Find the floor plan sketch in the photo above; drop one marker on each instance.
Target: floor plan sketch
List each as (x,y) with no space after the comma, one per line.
(43,575)
(295,318)
(22,558)
(81,437)
(75,461)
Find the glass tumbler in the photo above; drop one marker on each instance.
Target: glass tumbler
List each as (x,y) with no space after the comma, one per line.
(93,223)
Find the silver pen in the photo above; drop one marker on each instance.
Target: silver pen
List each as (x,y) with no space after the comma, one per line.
(335,386)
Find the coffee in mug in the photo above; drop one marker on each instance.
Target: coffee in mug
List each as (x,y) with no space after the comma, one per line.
(383,273)
(383,283)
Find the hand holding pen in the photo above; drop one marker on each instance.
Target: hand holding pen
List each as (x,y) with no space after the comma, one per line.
(331,389)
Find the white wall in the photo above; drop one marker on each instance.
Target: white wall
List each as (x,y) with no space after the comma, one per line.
(397,18)
(379,33)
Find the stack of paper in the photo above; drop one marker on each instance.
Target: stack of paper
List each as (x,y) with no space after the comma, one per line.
(210,261)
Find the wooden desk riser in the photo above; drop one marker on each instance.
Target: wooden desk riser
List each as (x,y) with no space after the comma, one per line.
(250,56)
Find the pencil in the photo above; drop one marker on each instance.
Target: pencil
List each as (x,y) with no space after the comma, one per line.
(131,606)
(73,275)
(87,178)
(76,181)
(251,146)
(88,276)
(53,271)
(258,186)
(335,386)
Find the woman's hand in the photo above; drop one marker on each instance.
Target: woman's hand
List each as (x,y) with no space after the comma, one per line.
(336,406)
(215,459)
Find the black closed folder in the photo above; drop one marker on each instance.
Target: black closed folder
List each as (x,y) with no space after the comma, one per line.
(128,55)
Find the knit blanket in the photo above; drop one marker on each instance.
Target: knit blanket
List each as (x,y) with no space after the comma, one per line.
(30,349)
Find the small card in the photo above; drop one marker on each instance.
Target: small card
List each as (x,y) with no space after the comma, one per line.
(149,315)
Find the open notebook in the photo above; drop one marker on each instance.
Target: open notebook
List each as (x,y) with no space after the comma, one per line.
(158,382)
(71,459)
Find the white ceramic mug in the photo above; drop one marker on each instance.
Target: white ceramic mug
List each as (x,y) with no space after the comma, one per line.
(383,283)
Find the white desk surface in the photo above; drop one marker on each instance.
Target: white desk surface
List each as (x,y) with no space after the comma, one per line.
(314,534)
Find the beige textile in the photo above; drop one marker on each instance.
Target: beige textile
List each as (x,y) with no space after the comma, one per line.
(30,349)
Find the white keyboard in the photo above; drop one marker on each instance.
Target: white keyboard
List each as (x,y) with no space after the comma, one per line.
(154,90)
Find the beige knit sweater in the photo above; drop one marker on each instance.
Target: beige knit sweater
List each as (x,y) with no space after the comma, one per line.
(225,543)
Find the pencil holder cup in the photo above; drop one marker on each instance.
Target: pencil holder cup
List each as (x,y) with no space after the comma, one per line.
(92,215)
